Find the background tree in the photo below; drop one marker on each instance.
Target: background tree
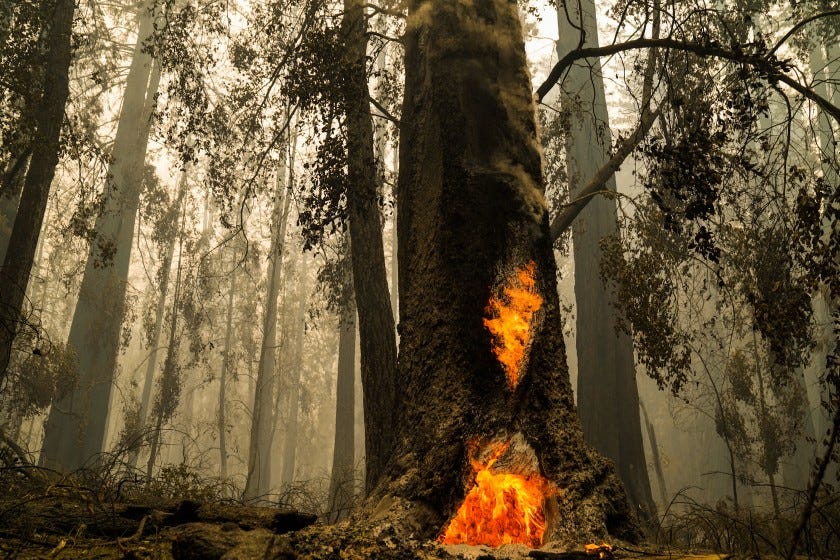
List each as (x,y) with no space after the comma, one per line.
(606,368)
(36,187)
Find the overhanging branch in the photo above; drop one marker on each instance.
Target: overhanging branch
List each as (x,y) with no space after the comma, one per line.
(770,67)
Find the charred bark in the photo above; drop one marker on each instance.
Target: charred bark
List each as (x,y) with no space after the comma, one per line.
(378,345)
(471,210)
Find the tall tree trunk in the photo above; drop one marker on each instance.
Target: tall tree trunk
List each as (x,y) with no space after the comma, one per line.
(290,443)
(76,425)
(378,345)
(221,417)
(17,264)
(381,147)
(606,370)
(342,478)
(10,193)
(160,309)
(169,386)
(258,482)
(826,137)
(472,211)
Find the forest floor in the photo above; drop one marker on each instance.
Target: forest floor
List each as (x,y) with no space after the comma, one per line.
(68,519)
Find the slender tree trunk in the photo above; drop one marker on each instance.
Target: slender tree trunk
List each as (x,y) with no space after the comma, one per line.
(796,467)
(472,214)
(370,280)
(290,444)
(226,372)
(76,425)
(258,482)
(606,370)
(733,470)
(769,470)
(17,264)
(826,138)
(395,275)
(657,461)
(342,479)
(160,309)
(169,386)
(381,147)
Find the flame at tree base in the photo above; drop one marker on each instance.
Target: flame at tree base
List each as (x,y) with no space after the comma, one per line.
(501,508)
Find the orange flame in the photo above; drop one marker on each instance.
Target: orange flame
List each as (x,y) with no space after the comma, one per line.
(510,318)
(501,508)
(603,551)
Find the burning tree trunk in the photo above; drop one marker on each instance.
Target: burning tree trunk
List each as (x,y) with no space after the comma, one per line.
(486,399)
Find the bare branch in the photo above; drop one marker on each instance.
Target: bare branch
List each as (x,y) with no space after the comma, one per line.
(800,25)
(769,67)
(564,219)
(384,111)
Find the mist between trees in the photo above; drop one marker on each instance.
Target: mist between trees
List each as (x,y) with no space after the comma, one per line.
(240,240)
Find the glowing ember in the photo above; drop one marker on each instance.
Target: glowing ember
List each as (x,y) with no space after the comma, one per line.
(501,508)
(603,551)
(510,320)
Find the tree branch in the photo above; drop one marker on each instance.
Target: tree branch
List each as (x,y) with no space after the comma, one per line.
(800,25)
(814,486)
(768,66)
(385,114)
(564,219)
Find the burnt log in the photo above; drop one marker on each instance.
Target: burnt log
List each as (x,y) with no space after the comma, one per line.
(472,217)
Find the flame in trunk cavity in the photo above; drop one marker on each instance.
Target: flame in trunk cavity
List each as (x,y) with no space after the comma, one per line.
(509,320)
(500,508)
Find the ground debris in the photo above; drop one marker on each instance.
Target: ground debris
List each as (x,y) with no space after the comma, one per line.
(71,525)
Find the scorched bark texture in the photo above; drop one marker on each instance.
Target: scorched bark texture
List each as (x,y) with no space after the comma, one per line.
(471,210)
